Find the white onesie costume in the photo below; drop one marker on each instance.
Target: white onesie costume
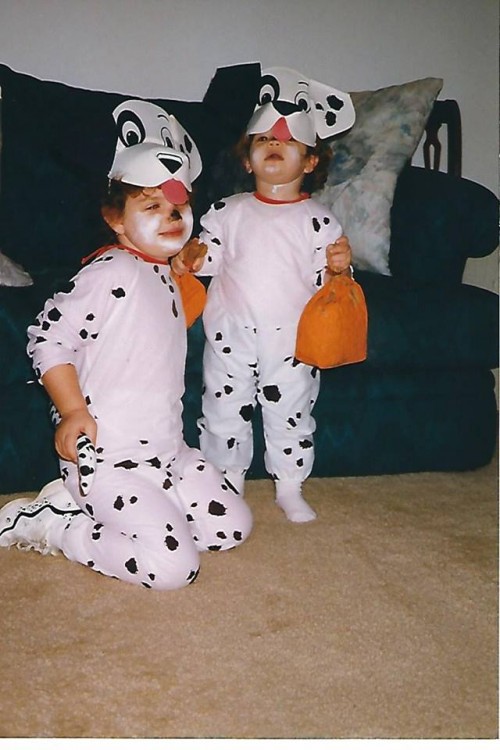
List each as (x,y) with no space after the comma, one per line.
(267,260)
(155,502)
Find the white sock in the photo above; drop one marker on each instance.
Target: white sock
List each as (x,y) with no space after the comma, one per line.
(236,477)
(290,500)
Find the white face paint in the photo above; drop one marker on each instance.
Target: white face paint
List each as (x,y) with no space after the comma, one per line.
(153,226)
(276,162)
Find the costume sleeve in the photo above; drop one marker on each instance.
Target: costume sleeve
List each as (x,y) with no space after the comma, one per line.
(327,231)
(71,320)
(212,235)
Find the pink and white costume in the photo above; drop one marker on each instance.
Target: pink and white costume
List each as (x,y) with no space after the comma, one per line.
(155,503)
(267,260)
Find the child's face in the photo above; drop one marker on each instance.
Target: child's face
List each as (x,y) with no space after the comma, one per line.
(279,162)
(152,225)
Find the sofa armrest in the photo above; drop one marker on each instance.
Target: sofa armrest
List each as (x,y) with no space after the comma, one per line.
(437,222)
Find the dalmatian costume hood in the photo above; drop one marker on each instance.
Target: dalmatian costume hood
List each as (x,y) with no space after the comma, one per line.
(152,149)
(301,108)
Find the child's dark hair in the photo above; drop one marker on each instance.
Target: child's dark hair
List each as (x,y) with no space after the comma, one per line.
(312,181)
(114,195)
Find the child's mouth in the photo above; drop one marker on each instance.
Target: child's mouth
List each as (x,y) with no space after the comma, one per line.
(172,233)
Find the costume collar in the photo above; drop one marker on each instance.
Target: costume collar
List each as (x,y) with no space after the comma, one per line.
(263,199)
(104,249)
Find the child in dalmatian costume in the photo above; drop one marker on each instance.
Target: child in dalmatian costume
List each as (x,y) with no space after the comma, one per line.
(110,353)
(266,253)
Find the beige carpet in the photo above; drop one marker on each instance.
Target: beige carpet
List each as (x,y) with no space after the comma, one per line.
(377,620)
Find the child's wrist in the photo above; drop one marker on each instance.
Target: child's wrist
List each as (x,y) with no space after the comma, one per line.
(349,271)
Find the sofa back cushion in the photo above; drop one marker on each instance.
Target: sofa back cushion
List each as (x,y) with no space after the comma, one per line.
(56,152)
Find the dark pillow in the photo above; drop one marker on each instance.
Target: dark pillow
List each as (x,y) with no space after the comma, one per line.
(58,144)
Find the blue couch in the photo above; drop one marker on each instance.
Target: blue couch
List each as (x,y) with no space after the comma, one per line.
(424,399)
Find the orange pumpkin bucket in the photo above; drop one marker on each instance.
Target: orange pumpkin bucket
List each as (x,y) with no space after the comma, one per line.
(333,327)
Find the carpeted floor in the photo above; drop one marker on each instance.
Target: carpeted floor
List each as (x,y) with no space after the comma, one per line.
(377,620)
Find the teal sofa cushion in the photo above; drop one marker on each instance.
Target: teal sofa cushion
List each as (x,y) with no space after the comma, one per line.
(58,142)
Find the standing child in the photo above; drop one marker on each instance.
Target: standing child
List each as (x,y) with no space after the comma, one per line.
(111,355)
(266,253)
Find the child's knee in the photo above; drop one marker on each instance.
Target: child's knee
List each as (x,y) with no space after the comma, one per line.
(234,529)
(174,581)
(244,523)
(172,569)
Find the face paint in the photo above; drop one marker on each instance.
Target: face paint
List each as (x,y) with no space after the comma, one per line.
(154,226)
(275,161)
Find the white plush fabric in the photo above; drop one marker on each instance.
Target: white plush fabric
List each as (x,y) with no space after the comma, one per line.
(12,274)
(367,161)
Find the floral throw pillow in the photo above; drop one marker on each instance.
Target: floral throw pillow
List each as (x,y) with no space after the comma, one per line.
(367,161)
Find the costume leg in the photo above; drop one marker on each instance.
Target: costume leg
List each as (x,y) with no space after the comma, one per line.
(218,517)
(131,529)
(287,392)
(229,394)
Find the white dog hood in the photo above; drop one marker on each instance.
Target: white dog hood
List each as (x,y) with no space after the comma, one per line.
(295,106)
(153,149)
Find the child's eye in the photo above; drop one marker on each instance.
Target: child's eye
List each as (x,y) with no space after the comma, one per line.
(153,207)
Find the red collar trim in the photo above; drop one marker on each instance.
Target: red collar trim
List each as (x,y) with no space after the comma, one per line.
(263,199)
(100,251)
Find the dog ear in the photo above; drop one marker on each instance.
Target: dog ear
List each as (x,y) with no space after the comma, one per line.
(231,97)
(333,111)
(187,146)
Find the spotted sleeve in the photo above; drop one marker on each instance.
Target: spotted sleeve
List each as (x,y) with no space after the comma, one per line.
(71,319)
(214,237)
(326,230)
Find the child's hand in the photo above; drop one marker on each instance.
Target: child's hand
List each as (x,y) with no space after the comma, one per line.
(338,256)
(71,426)
(190,258)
